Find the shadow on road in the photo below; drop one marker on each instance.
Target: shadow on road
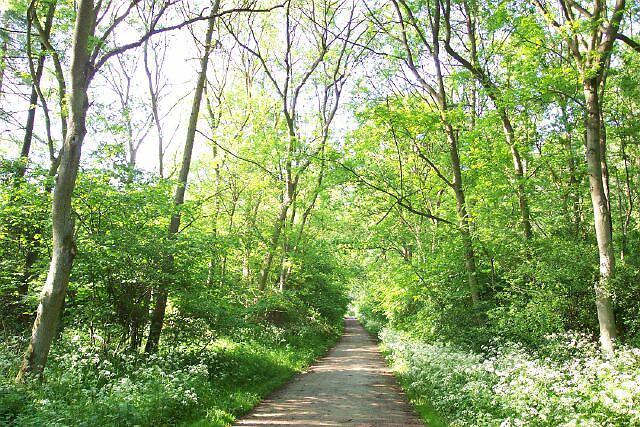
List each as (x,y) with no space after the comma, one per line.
(349,386)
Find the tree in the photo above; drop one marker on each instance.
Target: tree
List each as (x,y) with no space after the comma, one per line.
(495,93)
(406,17)
(591,50)
(44,327)
(36,76)
(87,58)
(128,120)
(322,32)
(162,292)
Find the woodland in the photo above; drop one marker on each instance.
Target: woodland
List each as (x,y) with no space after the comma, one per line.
(194,193)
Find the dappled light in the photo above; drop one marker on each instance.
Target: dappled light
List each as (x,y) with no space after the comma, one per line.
(349,386)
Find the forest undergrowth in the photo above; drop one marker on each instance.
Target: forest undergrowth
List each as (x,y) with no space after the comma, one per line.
(194,382)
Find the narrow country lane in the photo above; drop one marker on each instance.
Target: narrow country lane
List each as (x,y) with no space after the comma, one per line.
(349,386)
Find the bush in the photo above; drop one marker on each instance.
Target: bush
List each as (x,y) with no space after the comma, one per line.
(543,289)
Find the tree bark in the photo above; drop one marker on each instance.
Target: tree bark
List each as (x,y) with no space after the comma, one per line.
(275,236)
(592,56)
(287,200)
(214,259)
(31,256)
(3,49)
(161,293)
(603,131)
(573,191)
(601,216)
(523,201)
(285,273)
(452,137)
(248,240)
(230,231)
(63,249)
(463,218)
(439,94)
(33,99)
(628,210)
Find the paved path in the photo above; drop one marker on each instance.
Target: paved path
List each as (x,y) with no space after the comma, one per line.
(349,386)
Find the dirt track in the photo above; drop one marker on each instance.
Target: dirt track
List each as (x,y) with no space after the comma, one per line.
(349,386)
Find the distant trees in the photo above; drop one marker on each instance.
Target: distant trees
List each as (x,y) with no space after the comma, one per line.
(291,70)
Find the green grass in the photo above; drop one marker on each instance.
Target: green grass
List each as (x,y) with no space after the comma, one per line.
(187,386)
(264,370)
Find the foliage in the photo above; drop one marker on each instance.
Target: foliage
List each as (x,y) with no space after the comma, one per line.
(567,382)
(210,383)
(463,122)
(226,345)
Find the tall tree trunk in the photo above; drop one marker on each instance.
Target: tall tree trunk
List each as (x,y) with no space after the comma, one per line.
(439,94)
(573,192)
(601,216)
(603,132)
(523,201)
(63,248)
(287,200)
(223,263)
(4,43)
(275,238)
(592,55)
(250,221)
(452,137)
(286,269)
(628,210)
(133,148)
(463,218)
(161,293)
(31,256)
(213,260)
(493,91)
(287,245)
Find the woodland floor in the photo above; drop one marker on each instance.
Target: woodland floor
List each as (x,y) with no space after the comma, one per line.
(349,386)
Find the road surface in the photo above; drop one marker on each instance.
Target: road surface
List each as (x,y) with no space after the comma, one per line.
(350,386)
